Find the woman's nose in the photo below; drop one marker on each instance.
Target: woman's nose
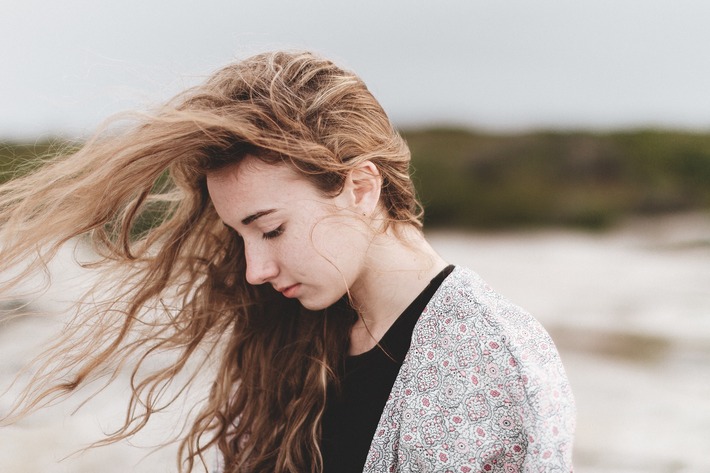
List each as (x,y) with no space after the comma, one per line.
(261,267)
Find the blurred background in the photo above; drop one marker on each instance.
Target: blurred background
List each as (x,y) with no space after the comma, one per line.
(561,149)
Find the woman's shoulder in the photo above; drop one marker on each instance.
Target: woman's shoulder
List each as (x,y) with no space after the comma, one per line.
(477,333)
(465,302)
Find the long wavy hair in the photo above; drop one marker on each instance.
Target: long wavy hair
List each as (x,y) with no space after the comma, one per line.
(138,192)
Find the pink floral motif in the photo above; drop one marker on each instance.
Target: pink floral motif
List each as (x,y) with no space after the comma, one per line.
(428,378)
(461,446)
(515,390)
(477,407)
(511,468)
(432,431)
(466,353)
(493,370)
(506,423)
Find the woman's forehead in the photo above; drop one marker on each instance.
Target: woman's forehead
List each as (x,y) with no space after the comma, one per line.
(251,171)
(254,183)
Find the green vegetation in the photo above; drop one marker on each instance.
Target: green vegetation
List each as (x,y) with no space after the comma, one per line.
(473,180)
(17,159)
(588,180)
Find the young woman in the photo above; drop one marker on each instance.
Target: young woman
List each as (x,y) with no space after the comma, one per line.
(267,217)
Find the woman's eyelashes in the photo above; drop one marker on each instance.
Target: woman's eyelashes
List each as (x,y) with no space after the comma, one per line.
(274,233)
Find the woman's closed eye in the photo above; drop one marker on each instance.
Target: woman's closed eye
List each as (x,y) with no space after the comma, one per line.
(273,233)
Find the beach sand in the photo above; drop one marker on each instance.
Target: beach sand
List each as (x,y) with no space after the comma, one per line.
(629,310)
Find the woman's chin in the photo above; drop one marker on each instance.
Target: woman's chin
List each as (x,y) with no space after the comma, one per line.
(313,305)
(322,303)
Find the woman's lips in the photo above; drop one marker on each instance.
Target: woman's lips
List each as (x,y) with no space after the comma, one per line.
(290,291)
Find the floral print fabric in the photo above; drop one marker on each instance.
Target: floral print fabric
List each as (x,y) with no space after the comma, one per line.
(482,389)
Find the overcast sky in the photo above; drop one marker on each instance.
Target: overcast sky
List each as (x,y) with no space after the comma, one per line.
(494,64)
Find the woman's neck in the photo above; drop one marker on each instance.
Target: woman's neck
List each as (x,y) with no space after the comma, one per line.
(400,265)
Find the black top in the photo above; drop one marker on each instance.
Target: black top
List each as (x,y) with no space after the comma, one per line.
(353,412)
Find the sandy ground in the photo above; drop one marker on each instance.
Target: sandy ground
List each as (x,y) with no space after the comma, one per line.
(629,310)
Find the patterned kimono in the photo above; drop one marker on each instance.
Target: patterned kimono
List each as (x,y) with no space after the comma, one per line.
(482,389)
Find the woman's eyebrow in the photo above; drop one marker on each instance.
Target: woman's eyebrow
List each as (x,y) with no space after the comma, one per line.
(261,213)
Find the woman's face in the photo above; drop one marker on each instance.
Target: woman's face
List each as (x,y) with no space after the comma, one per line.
(306,245)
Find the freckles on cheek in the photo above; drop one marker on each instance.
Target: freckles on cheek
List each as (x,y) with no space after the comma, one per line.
(340,238)
(294,243)
(322,237)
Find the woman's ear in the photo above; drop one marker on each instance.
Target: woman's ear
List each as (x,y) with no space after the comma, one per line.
(363,186)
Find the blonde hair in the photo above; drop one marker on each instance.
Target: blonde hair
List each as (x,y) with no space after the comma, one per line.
(140,194)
